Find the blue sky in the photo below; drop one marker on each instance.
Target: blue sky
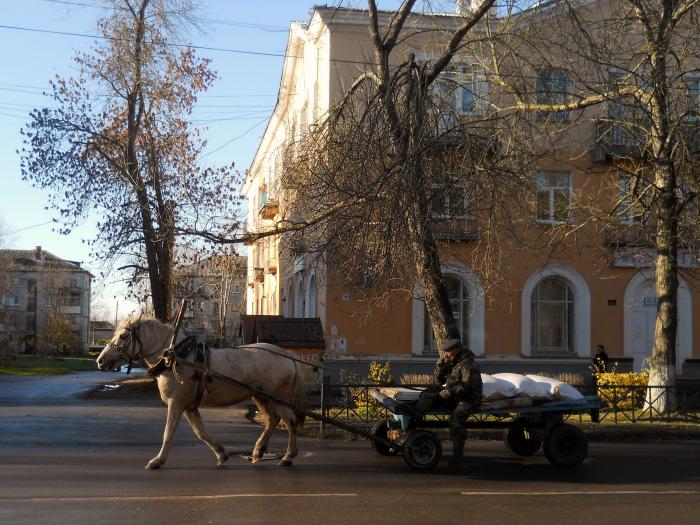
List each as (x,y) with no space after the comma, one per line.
(235,110)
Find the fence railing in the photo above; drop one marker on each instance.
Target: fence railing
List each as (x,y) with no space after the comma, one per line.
(352,403)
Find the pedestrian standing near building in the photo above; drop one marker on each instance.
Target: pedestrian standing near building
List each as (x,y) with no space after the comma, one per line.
(600,360)
(456,385)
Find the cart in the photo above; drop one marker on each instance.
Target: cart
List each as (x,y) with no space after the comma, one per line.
(528,425)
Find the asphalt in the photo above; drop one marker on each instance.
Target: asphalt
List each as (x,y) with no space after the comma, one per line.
(80,461)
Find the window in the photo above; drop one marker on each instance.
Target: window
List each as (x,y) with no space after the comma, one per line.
(459,301)
(629,208)
(311,300)
(10,300)
(299,300)
(553,197)
(463,90)
(553,88)
(693,85)
(552,317)
(448,201)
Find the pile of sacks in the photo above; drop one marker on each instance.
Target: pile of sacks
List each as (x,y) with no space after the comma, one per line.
(503,386)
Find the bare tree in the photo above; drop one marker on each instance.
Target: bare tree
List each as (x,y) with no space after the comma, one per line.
(118,140)
(398,171)
(634,64)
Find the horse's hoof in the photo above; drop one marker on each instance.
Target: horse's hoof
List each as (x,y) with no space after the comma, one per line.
(220,461)
(153,465)
(285,463)
(254,460)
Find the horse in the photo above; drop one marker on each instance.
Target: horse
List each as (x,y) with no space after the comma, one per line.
(266,368)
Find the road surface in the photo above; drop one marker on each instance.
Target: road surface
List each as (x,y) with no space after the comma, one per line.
(67,460)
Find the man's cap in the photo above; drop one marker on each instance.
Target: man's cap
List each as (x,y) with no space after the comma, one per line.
(450,345)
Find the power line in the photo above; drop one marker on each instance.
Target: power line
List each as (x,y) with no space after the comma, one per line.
(26,228)
(234,139)
(234,23)
(252,53)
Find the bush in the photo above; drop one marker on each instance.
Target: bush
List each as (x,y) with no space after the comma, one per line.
(379,374)
(625,390)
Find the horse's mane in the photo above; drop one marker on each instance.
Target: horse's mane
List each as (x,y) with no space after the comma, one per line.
(136,318)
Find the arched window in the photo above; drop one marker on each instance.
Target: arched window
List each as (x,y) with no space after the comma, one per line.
(311,298)
(289,302)
(459,301)
(299,300)
(552,317)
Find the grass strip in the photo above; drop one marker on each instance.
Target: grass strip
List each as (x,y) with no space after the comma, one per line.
(39,371)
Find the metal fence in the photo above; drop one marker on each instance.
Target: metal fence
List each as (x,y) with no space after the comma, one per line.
(352,403)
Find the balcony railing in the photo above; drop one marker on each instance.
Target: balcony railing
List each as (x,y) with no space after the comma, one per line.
(460,229)
(615,141)
(269,206)
(259,275)
(630,235)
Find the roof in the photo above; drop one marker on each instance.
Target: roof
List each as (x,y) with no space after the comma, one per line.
(282,331)
(27,261)
(101,325)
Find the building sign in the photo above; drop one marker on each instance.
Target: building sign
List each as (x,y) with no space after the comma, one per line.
(646,258)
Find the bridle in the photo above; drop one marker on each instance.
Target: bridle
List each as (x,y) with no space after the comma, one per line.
(134,339)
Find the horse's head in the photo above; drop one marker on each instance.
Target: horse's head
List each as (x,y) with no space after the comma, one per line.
(122,347)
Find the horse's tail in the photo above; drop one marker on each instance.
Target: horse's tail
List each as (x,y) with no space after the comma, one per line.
(299,394)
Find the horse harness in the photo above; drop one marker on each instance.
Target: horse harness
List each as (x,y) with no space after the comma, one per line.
(170,357)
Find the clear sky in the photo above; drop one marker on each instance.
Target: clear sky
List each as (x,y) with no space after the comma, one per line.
(235,110)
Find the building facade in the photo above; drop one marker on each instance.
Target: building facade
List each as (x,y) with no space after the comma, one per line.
(45,303)
(559,304)
(215,292)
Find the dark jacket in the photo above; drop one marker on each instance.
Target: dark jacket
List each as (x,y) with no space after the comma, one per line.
(461,377)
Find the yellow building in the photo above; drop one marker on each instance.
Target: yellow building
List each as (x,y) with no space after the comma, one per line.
(560,303)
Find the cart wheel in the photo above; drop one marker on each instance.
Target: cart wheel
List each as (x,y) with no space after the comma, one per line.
(380,430)
(565,446)
(518,438)
(422,450)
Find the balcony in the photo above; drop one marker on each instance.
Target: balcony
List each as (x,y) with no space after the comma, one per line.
(630,235)
(259,275)
(615,141)
(271,267)
(461,229)
(455,130)
(269,206)
(68,309)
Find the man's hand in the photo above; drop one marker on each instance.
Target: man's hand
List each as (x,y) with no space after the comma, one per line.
(445,394)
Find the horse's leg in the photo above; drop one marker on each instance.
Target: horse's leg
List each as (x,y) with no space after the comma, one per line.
(174,414)
(271,421)
(195,419)
(290,419)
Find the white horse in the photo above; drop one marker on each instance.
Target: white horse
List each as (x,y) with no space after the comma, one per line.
(261,366)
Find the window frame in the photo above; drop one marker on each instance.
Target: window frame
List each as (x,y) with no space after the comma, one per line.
(551,190)
(457,78)
(569,326)
(545,92)
(447,204)
(464,299)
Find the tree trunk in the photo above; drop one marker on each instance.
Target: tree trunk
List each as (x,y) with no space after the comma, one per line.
(663,357)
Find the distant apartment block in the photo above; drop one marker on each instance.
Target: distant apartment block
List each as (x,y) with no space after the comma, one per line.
(215,292)
(45,303)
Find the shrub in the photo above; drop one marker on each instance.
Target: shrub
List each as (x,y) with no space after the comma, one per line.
(379,374)
(625,390)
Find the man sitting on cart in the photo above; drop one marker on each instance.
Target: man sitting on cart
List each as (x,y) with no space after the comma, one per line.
(456,385)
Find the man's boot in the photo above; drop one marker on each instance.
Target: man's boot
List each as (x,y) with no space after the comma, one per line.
(457,436)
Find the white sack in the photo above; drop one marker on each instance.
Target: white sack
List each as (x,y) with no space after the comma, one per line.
(525,386)
(557,389)
(495,388)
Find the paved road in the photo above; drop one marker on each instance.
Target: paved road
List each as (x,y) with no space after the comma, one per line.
(82,463)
